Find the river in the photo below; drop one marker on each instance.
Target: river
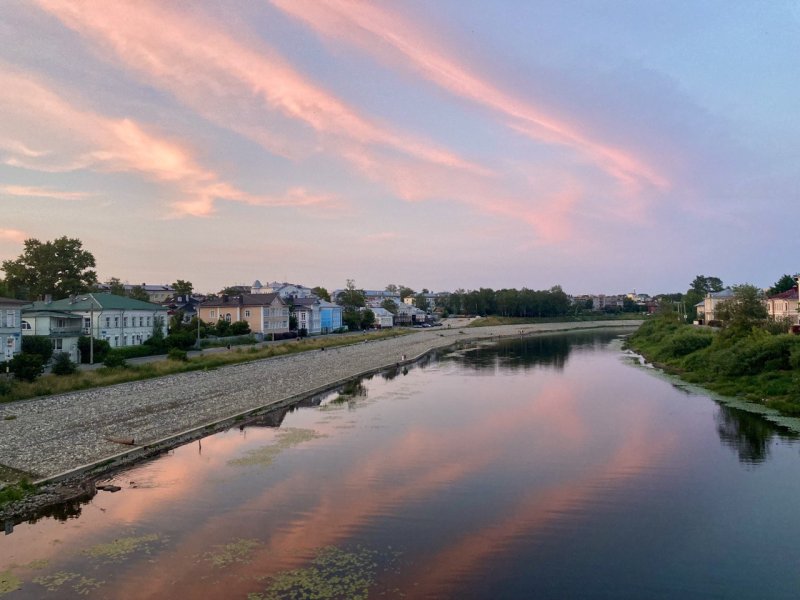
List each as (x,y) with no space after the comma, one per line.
(549,466)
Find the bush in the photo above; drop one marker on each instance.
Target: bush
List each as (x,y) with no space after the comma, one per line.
(135,351)
(177,354)
(63,365)
(27,367)
(38,344)
(239,328)
(101,349)
(114,359)
(686,341)
(181,340)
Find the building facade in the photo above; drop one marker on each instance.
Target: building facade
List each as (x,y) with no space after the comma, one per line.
(265,313)
(10,327)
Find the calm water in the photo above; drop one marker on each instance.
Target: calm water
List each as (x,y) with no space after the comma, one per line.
(546,467)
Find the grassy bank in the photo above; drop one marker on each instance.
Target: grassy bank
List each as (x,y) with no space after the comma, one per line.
(53,384)
(494,320)
(756,365)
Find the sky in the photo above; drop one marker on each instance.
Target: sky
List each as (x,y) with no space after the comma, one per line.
(604,146)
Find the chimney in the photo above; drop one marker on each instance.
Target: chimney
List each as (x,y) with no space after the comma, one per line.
(48,298)
(72,298)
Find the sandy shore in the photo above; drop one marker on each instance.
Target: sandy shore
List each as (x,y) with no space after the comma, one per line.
(52,436)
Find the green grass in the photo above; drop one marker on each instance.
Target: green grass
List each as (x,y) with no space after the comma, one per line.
(104,376)
(756,366)
(16,491)
(495,320)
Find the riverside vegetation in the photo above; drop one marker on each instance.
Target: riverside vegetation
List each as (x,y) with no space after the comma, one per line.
(751,356)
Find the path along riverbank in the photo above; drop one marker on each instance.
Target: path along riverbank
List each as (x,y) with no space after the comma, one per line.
(59,436)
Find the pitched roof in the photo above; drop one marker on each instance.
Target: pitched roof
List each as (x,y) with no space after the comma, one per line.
(97,301)
(13,302)
(243,300)
(787,295)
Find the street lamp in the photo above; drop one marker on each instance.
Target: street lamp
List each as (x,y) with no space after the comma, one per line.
(91,327)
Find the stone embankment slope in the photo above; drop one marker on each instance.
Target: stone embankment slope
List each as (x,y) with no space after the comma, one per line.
(49,436)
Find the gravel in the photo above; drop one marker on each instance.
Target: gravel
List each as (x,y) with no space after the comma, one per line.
(51,435)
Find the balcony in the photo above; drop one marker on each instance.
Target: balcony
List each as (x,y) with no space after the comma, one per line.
(70,331)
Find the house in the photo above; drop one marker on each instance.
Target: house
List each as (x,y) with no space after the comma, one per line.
(10,327)
(61,327)
(307,313)
(119,320)
(265,313)
(156,293)
(785,305)
(330,316)
(707,309)
(283,289)
(183,303)
(383,318)
(409,315)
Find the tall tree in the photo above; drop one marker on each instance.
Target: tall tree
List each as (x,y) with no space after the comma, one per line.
(389,305)
(404,291)
(351,297)
(184,288)
(321,293)
(392,288)
(420,301)
(137,293)
(61,267)
(704,285)
(784,284)
(116,287)
(744,310)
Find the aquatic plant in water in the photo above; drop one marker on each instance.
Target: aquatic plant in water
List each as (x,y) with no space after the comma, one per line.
(9,582)
(334,573)
(121,547)
(285,439)
(237,551)
(80,584)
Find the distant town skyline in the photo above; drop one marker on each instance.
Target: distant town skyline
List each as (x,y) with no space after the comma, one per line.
(600,146)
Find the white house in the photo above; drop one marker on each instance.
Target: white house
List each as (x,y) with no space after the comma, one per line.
(62,328)
(10,327)
(383,318)
(308,314)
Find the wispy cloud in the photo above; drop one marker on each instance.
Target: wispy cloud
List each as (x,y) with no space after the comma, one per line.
(78,138)
(388,36)
(203,65)
(40,192)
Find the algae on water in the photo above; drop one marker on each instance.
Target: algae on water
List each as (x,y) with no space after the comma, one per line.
(238,551)
(122,547)
(80,584)
(285,439)
(9,582)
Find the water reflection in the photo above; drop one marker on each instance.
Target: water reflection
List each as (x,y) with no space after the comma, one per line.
(748,434)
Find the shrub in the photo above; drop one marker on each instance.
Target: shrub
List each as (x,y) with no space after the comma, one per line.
(114,359)
(686,341)
(135,351)
(101,349)
(63,365)
(27,367)
(181,340)
(239,328)
(38,344)
(177,354)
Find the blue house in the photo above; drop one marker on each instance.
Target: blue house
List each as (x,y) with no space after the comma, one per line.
(330,316)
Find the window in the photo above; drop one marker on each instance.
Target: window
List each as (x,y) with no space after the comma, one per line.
(141,321)
(108,321)
(125,321)
(212,314)
(116,321)
(26,326)
(247,313)
(125,340)
(116,340)
(58,344)
(87,323)
(148,321)
(228,317)
(11,321)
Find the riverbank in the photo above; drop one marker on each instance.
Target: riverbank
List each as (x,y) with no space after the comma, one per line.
(81,434)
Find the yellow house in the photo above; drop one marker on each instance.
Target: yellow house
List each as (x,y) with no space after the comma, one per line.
(265,313)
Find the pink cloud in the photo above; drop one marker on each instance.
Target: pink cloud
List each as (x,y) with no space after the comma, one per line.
(80,139)
(13,235)
(388,36)
(202,65)
(39,192)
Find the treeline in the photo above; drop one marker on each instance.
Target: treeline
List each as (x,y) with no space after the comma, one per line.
(508,302)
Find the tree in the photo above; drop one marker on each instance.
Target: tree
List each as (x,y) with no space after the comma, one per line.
(392,288)
(116,287)
(59,268)
(744,310)
(63,365)
(137,293)
(784,284)
(420,301)
(389,305)
(705,285)
(27,367)
(351,297)
(404,291)
(367,318)
(183,288)
(321,293)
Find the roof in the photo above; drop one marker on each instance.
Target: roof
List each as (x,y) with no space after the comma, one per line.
(305,301)
(787,295)
(243,300)
(32,312)
(13,302)
(726,293)
(97,301)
